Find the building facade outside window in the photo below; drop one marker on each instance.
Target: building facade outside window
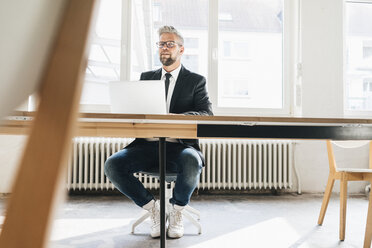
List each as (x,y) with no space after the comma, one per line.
(358,59)
(104,58)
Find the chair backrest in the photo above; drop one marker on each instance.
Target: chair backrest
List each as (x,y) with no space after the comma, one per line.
(350,144)
(346,144)
(28,29)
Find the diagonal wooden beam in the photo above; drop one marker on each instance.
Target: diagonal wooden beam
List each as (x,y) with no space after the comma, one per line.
(38,182)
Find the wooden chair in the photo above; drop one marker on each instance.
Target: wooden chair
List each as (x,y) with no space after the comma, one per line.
(344,175)
(368,233)
(48,49)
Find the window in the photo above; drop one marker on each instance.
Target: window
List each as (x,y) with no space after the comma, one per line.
(250,65)
(367,49)
(358,75)
(192,43)
(189,17)
(104,57)
(367,85)
(238,45)
(250,47)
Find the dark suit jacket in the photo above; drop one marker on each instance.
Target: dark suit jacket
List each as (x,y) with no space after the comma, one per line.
(189,97)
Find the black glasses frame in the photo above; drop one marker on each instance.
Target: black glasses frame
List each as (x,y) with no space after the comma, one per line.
(168,44)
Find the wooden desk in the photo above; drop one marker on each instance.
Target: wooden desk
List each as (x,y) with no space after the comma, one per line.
(179,126)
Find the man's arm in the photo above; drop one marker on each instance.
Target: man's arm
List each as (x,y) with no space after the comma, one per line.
(201,100)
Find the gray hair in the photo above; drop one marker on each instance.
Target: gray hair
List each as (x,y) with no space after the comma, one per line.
(170,30)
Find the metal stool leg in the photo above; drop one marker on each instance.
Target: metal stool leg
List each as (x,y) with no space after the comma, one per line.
(140,220)
(193,211)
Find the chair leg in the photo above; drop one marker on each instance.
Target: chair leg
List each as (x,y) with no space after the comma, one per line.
(38,184)
(192,220)
(187,209)
(368,233)
(168,195)
(140,220)
(327,195)
(193,211)
(343,198)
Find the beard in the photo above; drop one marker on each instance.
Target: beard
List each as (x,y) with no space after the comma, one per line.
(167,61)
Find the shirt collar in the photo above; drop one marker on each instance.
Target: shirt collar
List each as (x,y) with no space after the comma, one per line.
(174,73)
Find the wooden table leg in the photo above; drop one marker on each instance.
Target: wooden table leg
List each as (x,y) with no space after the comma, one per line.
(34,194)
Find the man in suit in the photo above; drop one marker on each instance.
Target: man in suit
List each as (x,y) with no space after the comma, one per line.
(186,93)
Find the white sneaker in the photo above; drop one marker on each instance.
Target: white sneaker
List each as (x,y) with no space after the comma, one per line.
(175,227)
(154,208)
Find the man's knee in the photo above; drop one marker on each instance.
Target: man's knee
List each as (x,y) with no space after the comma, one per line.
(113,166)
(192,162)
(109,167)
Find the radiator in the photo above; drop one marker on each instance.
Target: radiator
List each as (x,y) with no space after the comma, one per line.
(230,164)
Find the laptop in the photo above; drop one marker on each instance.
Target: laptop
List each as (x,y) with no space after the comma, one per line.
(138,97)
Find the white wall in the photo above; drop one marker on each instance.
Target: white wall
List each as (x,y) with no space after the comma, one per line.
(322,58)
(11,149)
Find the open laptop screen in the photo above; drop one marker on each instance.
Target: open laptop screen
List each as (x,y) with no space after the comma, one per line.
(138,97)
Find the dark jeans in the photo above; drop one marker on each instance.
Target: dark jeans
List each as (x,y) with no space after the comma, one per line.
(184,161)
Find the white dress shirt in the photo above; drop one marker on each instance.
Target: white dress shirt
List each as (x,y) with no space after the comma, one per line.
(172,84)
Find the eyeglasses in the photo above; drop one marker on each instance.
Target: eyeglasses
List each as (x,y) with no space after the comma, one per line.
(168,44)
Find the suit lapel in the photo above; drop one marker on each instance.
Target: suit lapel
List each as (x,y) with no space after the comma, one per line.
(157,75)
(178,87)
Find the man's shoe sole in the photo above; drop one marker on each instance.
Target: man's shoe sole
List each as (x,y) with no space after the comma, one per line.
(155,236)
(175,236)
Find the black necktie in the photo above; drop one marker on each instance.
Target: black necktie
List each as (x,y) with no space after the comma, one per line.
(167,76)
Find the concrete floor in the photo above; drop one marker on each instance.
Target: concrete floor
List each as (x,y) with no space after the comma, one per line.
(287,220)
